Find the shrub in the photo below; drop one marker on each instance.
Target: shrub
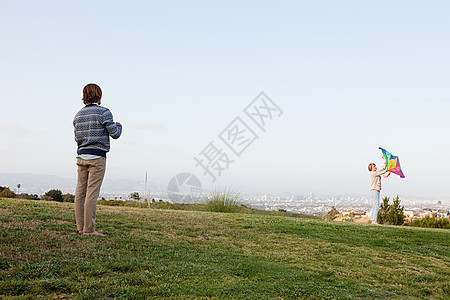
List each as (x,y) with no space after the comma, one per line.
(383,213)
(112,202)
(225,201)
(28,196)
(331,215)
(396,215)
(391,213)
(54,195)
(68,198)
(6,192)
(430,222)
(135,196)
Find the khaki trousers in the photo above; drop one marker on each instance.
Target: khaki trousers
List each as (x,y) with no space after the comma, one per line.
(90,178)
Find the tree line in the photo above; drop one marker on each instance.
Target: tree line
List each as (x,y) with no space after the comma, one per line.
(51,195)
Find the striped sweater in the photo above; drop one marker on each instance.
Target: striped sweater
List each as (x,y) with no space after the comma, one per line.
(93,125)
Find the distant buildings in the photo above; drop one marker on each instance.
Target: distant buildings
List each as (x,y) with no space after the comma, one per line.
(442,213)
(409,214)
(428,212)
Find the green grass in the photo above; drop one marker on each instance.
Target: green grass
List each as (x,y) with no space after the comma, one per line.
(154,253)
(226,201)
(205,207)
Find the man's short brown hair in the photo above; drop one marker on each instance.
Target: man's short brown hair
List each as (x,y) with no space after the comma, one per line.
(370,166)
(92,93)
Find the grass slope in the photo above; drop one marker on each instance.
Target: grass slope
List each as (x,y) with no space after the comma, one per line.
(185,255)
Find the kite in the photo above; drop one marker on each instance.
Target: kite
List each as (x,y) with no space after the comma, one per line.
(392,164)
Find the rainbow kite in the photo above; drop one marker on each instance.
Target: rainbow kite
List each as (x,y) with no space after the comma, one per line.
(392,164)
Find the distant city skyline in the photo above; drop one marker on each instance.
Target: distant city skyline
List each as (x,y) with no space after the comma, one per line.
(310,203)
(348,77)
(318,205)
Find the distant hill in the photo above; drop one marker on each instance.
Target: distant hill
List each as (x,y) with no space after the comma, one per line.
(41,183)
(37,183)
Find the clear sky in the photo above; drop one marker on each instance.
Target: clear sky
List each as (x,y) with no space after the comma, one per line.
(349,76)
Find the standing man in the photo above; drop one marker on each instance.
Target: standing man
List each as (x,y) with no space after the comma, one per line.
(93,126)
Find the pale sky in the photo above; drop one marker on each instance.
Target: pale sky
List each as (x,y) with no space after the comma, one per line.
(349,76)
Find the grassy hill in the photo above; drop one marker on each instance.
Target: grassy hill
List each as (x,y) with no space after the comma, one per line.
(173,254)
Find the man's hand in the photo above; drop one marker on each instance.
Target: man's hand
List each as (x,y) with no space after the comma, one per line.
(118,124)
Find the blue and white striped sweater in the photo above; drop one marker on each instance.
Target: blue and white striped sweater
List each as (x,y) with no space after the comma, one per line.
(93,125)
